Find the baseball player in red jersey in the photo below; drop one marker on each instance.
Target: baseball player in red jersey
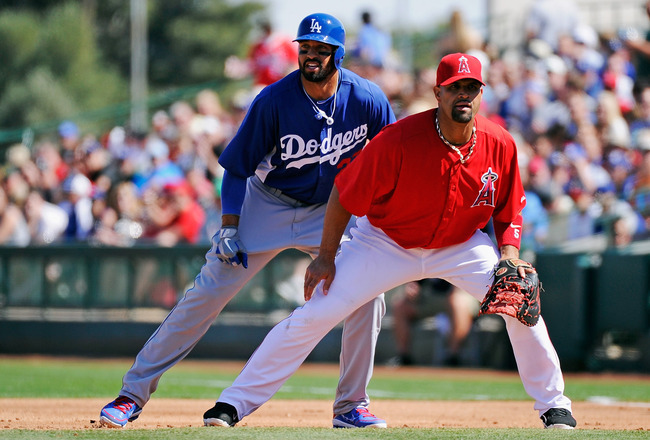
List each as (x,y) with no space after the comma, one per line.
(422,189)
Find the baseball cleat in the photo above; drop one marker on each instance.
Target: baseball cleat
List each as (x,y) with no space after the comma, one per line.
(359,417)
(120,411)
(558,418)
(221,414)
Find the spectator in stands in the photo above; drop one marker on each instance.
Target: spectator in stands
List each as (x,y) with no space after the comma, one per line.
(122,223)
(77,203)
(620,234)
(47,222)
(548,20)
(638,184)
(175,216)
(535,217)
(53,170)
(640,47)
(587,58)
(164,170)
(69,138)
(373,45)
(613,129)
(641,115)
(13,226)
(426,298)
(271,56)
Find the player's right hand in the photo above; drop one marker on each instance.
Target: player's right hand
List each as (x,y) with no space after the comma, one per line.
(319,269)
(230,249)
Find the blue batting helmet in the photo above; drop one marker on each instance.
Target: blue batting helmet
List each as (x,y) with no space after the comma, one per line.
(326,29)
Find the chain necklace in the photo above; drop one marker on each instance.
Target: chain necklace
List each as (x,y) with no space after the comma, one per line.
(463,159)
(320,114)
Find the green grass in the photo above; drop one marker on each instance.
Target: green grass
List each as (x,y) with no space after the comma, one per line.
(61,377)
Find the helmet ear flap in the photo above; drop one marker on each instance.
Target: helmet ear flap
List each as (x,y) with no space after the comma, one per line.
(338,56)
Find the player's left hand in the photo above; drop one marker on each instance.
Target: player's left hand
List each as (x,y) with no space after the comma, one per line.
(319,269)
(230,248)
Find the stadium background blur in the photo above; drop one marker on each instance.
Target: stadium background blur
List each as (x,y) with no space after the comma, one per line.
(110,141)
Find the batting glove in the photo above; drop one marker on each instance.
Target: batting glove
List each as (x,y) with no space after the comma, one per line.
(230,248)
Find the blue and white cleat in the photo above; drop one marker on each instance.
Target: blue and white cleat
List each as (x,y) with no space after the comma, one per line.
(359,417)
(120,411)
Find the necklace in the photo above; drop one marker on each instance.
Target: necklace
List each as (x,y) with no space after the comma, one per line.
(320,114)
(463,159)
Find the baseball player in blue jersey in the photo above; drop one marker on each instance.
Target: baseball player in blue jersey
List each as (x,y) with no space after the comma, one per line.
(297,135)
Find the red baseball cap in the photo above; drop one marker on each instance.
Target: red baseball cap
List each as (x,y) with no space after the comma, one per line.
(457,66)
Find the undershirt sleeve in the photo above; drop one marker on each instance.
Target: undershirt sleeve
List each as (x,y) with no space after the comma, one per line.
(233,190)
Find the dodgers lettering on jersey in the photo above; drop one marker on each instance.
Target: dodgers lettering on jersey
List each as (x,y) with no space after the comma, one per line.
(298,153)
(283,142)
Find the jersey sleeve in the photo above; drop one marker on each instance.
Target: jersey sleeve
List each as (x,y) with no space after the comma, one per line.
(372,175)
(233,191)
(507,217)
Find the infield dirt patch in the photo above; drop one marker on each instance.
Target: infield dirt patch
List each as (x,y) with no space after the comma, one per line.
(178,413)
(77,413)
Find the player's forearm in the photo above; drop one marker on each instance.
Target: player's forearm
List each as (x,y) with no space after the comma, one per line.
(508,251)
(229,220)
(336,220)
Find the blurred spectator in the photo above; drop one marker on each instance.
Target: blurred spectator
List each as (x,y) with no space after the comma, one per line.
(77,203)
(613,129)
(69,137)
(47,222)
(373,45)
(640,47)
(207,195)
(53,170)
(426,298)
(421,97)
(163,127)
(462,38)
(536,224)
(587,59)
(271,56)
(175,216)
(217,123)
(13,226)
(164,170)
(548,20)
(620,234)
(641,116)
(638,184)
(618,78)
(122,222)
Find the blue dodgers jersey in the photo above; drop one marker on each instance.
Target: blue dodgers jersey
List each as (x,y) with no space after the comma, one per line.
(283,142)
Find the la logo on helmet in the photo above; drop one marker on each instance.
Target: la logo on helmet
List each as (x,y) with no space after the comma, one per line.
(315,27)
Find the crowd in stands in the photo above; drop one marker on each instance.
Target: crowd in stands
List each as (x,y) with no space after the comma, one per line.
(577,102)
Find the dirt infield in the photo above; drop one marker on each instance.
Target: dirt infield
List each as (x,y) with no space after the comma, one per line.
(172,413)
(78,414)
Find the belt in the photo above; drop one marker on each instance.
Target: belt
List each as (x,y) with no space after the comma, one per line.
(285,198)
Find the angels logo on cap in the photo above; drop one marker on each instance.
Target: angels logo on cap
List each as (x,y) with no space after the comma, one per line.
(458,66)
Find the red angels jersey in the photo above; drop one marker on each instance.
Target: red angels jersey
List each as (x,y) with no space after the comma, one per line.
(414,187)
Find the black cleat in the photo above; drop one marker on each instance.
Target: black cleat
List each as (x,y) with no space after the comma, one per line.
(222,414)
(558,418)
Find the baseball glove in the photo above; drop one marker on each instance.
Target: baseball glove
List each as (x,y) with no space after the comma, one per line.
(512,295)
